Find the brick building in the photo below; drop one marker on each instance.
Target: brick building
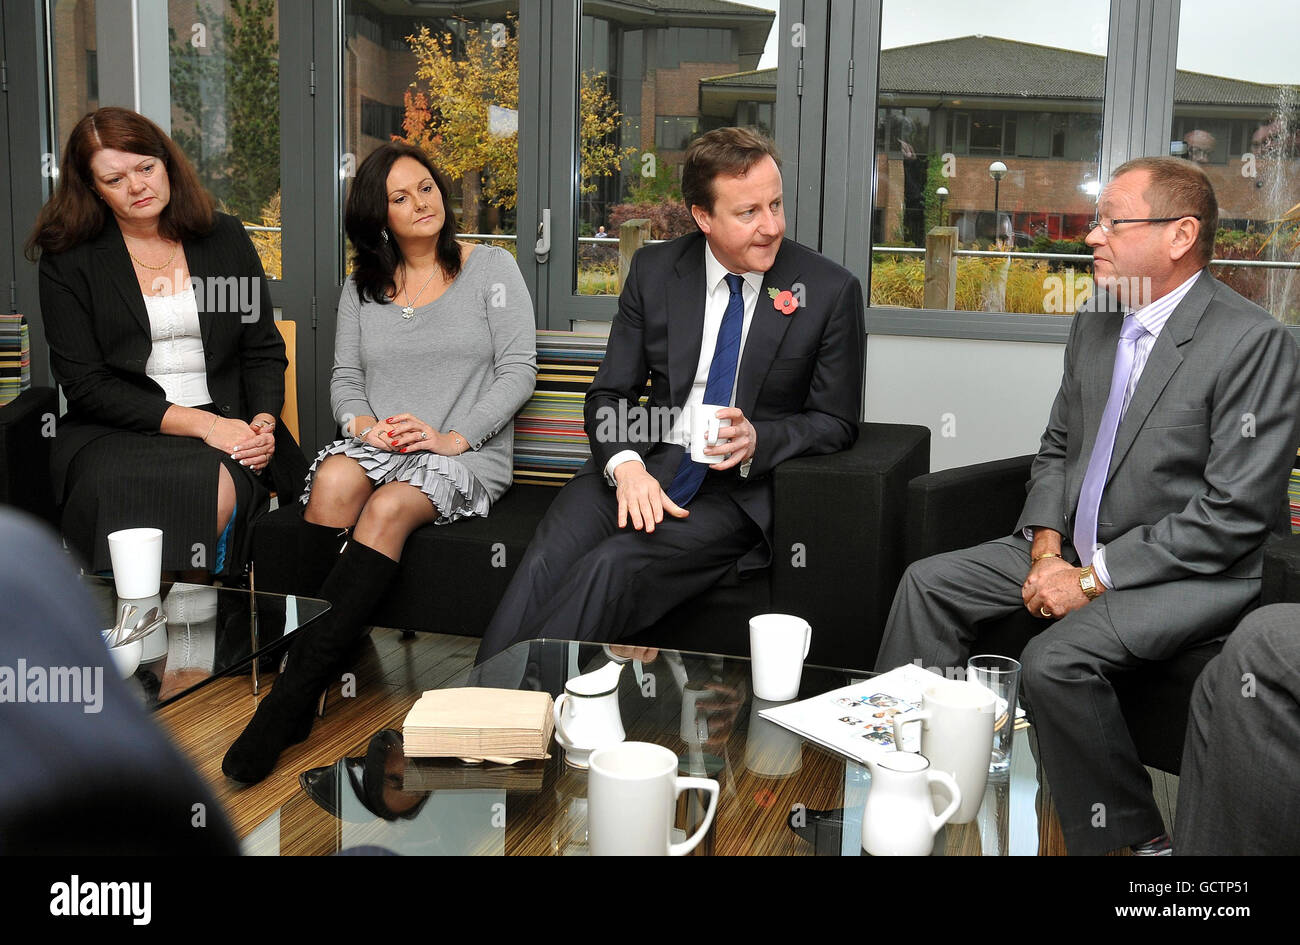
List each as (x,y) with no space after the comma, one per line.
(1037,109)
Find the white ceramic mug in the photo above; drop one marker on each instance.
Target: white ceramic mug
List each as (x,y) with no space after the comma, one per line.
(154,643)
(632,791)
(126,659)
(957,736)
(778,644)
(704,432)
(136,554)
(771,750)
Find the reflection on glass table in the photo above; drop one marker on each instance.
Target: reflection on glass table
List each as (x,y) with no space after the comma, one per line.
(209,632)
(780,794)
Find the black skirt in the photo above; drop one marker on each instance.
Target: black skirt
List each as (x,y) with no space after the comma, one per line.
(136,480)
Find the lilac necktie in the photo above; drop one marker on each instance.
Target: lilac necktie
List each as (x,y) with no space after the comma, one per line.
(1085,520)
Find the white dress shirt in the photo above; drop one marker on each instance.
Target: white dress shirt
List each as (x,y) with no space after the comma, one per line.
(177,361)
(716,296)
(1152,317)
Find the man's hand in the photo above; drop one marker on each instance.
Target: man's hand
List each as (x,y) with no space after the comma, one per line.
(1052,589)
(646,654)
(742,439)
(641,498)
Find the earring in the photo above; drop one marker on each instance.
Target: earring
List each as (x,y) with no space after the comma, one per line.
(383,234)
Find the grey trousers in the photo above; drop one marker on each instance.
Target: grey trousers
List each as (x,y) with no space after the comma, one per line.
(1239,791)
(1101,790)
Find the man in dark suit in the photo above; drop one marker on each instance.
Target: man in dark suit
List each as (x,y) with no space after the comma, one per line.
(1161,474)
(1238,794)
(88,773)
(733,315)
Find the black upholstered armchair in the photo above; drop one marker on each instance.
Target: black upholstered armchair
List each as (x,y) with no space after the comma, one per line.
(965,506)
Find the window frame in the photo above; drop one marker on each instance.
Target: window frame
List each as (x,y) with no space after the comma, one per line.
(1142,46)
(799,125)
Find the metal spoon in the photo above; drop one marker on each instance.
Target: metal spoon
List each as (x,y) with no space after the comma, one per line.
(128,611)
(145,627)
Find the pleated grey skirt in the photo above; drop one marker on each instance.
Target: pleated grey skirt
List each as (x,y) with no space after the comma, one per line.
(451,487)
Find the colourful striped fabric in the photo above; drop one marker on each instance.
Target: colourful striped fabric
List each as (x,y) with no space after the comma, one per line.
(1293,493)
(550,443)
(15,357)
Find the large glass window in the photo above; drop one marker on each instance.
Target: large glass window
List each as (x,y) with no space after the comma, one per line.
(653,77)
(988,143)
(446,80)
(1236,113)
(225,109)
(74,68)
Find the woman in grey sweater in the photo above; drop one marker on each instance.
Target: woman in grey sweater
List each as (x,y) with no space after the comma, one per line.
(435,353)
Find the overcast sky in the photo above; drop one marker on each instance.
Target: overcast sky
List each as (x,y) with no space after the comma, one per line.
(1248,39)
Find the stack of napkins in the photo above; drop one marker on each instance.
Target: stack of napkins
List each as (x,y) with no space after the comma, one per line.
(443,774)
(491,724)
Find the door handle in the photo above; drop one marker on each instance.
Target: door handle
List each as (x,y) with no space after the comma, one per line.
(543,248)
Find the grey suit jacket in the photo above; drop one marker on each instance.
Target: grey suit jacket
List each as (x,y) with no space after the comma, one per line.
(1197,479)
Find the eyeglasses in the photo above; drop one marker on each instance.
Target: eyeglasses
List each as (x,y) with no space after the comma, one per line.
(1109,228)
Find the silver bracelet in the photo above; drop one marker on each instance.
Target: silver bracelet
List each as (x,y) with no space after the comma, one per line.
(361,437)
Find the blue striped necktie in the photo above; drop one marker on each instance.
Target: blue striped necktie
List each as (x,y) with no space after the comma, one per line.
(717,390)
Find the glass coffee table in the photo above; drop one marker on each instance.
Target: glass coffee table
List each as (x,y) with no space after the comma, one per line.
(210,632)
(780,794)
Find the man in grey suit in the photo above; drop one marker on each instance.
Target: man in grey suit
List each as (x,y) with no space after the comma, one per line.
(1160,475)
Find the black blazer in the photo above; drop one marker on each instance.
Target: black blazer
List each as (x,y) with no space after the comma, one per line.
(98,331)
(800,376)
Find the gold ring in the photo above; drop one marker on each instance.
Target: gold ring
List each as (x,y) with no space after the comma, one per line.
(1044,611)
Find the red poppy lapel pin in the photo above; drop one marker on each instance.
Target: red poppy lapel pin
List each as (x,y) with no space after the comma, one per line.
(783,300)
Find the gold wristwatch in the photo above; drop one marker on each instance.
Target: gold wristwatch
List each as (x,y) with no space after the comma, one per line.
(1088,583)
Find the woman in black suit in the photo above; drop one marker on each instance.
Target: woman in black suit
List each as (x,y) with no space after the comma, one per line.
(162,336)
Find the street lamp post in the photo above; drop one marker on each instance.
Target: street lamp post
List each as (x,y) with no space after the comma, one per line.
(997,170)
(942,194)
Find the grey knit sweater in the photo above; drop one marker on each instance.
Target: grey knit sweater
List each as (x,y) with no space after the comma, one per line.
(465,362)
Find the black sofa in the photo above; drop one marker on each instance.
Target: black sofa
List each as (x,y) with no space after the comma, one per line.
(26,423)
(957,508)
(838,541)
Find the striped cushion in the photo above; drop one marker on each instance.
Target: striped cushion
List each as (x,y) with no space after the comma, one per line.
(1293,493)
(550,442)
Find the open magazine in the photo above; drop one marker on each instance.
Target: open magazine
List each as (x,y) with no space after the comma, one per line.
(858,720)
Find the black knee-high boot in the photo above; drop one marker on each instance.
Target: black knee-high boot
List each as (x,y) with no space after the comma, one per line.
(284,717)
(312,554)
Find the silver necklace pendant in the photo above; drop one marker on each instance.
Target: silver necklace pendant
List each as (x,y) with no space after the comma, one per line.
(407,311)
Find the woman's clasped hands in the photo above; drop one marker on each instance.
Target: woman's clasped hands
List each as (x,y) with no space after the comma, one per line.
(404,433)
(252,444)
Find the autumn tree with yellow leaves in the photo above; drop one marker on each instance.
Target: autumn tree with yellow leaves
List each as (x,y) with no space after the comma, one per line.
(462,84)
